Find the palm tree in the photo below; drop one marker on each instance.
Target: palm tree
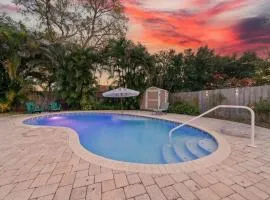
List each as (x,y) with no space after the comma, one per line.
(15,44)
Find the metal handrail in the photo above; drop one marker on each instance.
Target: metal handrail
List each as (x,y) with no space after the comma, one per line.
(252,143)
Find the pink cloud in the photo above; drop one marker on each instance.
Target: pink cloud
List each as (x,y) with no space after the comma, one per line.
(8,8)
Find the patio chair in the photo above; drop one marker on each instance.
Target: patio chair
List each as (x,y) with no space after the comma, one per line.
(32,107)
(162,109)
(54,106)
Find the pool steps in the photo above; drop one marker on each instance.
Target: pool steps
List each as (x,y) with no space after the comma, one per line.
(207,145)
(169,154)
(194,149)
(185,155)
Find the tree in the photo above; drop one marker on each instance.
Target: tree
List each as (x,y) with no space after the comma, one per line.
(262,74)
(46,59)
(246,65)
(128,63)
(198,68)
(167,72)
(4,82)
(89,23)
(75,80)
(15,45)
(233,71)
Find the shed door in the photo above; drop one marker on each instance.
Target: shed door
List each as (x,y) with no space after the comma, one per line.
(152,99)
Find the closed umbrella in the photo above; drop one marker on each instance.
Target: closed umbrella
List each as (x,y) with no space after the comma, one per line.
(121,93)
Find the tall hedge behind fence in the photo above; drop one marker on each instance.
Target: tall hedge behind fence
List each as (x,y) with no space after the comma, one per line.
(234,96)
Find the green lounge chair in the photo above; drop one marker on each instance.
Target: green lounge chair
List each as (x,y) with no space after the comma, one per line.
(54,106)
(31,107)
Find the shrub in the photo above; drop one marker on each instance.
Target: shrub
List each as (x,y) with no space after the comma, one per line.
(104,106)
(4,107)
(262,111)
(86,103)
(263,106)
(6,103)
(184,108)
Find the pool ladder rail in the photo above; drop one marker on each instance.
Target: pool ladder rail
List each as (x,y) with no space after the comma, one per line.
(252,135)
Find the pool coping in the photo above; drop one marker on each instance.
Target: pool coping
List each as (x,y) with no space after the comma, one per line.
(222,152)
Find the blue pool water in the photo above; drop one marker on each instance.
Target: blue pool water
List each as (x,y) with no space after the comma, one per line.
(131,138)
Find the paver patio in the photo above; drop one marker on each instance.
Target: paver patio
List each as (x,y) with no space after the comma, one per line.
(38,164)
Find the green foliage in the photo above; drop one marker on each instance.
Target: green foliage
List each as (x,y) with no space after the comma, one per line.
(110,104)
(167,70)
(184,108)
(262,111)
(4,82)
(15,46)
(262,74)
(199,68)
(107,106)
(7,101)
(263,106)
(76,79)
(128,64)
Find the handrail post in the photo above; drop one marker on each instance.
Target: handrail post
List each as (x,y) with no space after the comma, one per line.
(252,135)
(252,144)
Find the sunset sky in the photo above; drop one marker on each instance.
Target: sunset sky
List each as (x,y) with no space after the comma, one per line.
(226,25)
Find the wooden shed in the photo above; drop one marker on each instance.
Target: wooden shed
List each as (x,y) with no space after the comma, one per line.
(153,98)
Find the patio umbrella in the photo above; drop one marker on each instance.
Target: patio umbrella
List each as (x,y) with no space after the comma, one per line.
(121,93)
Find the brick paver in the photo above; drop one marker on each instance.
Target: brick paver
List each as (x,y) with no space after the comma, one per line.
(163,181)
(68,179)
(192,185)
(117,194)
(133,178)
(79,182)
(120,180)
(155,192)
(4,190)
(94,191)
(170,193)
(134,190)
(143,197)
(147,179)
(63,193)
(108,185)
(78,193)
(103,177)
(38,164)
(222,190)
(44,190)
(184,192)
(19,195)
(206,194)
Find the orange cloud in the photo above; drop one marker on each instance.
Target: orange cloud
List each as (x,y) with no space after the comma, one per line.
(187,28)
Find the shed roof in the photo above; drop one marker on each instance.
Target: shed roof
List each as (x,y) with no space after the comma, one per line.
(155,88)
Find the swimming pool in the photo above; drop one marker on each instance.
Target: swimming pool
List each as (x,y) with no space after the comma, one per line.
(132,138)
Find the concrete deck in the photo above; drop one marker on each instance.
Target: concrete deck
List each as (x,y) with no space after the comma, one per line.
(39,164)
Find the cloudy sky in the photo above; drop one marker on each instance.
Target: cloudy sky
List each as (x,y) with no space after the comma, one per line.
(226,25)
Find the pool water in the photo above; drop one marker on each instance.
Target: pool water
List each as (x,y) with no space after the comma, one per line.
(131,138)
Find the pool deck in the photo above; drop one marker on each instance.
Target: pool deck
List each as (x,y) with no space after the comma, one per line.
(39,163)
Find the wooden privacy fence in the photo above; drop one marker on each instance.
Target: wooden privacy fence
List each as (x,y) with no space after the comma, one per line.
(208,99)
